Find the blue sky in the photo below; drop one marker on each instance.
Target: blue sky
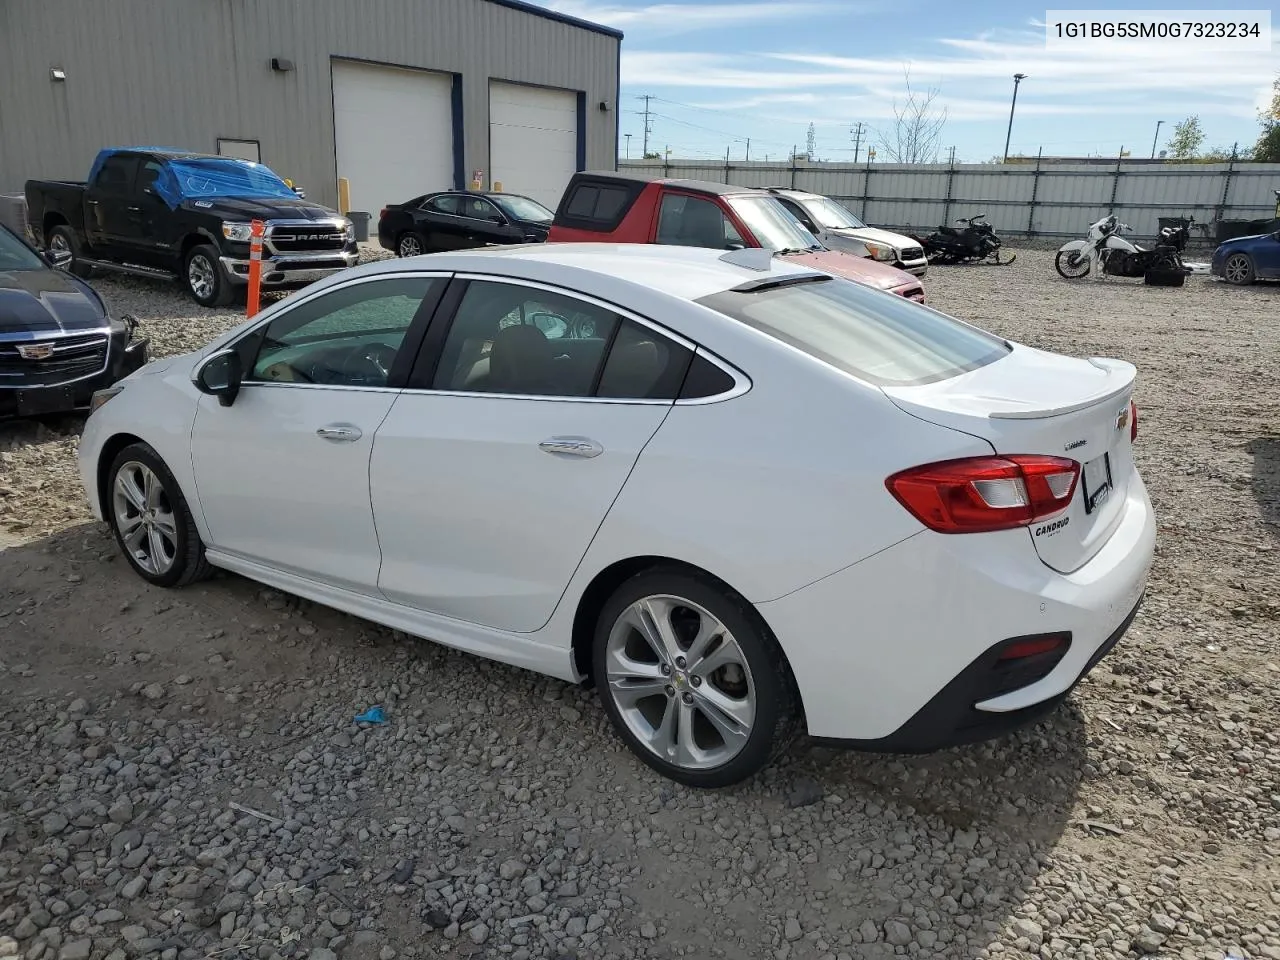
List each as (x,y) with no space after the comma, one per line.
(721,72)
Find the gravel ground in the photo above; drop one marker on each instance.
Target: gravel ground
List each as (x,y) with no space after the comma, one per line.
(183,776)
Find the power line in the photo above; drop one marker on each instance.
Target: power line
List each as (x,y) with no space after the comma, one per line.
(647,126)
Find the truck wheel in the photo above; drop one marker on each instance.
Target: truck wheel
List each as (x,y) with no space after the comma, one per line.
(205,279)
(64,238)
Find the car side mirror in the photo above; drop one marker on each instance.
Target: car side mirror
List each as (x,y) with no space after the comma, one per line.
(59,259)
(219,376)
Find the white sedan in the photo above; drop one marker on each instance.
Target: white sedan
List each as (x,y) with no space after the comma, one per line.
(740,497)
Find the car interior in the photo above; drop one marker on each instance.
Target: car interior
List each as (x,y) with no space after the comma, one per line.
(691,222)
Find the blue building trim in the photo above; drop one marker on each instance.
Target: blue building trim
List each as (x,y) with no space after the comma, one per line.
(558,17)
(582,130)
(459,144)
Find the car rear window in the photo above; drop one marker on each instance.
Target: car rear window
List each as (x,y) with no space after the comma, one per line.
(883,339)
(597,202)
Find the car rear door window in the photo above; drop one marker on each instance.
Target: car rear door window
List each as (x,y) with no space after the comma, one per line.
(597,202)
(513,339)
(643,365)
(446,205)
(117,173)
(688,221)
(881,338)
(346,337)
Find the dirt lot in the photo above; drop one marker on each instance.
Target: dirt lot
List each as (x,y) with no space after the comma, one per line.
(182,775)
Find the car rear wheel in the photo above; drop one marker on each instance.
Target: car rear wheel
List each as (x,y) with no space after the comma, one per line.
(410,245)
(151,520)
(204,277)
(692,679)
(1238,270)
(64,239)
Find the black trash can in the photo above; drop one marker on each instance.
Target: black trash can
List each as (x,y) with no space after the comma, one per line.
(360,221)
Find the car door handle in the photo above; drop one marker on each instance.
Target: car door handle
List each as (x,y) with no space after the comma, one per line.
(572,446)
(340,432)
(92,203)
(135,209)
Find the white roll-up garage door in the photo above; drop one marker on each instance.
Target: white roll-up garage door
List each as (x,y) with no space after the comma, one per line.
(533,140)
(393,130)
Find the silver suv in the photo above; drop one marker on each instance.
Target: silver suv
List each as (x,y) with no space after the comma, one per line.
(839,229)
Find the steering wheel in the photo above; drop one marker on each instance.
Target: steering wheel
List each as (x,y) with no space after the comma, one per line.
(369,363)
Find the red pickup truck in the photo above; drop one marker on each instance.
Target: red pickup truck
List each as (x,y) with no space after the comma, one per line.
(624,208)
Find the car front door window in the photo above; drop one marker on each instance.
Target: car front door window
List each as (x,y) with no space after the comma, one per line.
(688,221)
(350,337)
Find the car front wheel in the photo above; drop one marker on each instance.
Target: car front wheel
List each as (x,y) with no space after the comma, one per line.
(692,679)
(151,520)
(64,239)
(1238,270)
(205,279)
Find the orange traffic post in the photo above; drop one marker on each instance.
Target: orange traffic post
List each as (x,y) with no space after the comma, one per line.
(258,228)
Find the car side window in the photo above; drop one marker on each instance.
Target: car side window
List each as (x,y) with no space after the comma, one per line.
(348,337)
(151,172)
(116,175)
(512,339)
(799,213)
(479,209)
(447,205)
(694,222)
(643,365)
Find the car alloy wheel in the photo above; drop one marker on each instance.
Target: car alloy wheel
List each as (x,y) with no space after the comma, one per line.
(145,518)
(1238,269)
(200,277)
(681,682)
(58,242)
(409,246)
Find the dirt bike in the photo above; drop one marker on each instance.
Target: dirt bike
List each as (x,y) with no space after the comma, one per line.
(1160,265)
(976,242)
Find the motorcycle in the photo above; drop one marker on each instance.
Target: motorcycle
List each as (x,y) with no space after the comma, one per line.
(976,242)
(1160,265)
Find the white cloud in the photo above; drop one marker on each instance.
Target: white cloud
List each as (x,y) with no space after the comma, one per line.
(673,18)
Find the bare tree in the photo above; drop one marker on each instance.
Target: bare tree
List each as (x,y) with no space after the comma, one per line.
(916,134)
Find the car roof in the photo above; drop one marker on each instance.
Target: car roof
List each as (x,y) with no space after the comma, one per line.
(697,186)
(792,192)
(172,153)
(490,194)
(688,273)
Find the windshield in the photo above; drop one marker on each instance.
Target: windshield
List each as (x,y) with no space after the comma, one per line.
(833,216)
(522,208)
(16,255)
(772,224)
(197,179)
(883,339)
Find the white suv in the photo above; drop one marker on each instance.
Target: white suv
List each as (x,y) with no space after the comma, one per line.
(839,229)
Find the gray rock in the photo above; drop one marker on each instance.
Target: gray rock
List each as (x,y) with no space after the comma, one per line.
(242,880)
(340,918)
(791,929)
(53,823)
(479,933)
(648,930)
(869,931)
(804,792)
(322,953)
(511,869)
(897,933)
(153,691)
(576,926)
(1162,923)
(1022,927)
(133,888)
(121,811)
(76,950)
(1148,941)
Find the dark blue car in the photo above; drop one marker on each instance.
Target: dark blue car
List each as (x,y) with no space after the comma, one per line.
(1245,259)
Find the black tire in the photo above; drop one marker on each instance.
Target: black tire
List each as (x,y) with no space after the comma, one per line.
(1238,270)
(1066,257)
(64,238)
(407,240)
(189,564)
(216,290)
(776,717)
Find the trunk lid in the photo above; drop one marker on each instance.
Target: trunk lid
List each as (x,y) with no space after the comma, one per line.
(1033,402)
(852,267)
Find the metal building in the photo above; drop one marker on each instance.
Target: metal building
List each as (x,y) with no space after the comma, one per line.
(400,97)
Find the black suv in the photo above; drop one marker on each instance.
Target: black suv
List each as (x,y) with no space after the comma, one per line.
(57,342)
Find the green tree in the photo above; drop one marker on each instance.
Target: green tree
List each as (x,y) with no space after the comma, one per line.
(1267,149)
(1187,139)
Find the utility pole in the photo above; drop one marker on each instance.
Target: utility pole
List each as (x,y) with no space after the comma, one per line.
(1017,79)
(628,136)
(1159,124)
(953,156)
(647,128)
(857,132)
(747,156)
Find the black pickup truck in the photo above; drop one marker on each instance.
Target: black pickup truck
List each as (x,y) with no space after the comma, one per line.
(170,214)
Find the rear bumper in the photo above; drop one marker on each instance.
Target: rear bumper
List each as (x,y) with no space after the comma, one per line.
(889,654)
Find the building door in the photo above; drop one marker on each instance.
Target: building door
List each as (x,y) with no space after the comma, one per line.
(534,140)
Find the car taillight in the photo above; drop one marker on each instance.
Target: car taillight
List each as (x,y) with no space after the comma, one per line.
(382,214)
(982,494)
(1133,422)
